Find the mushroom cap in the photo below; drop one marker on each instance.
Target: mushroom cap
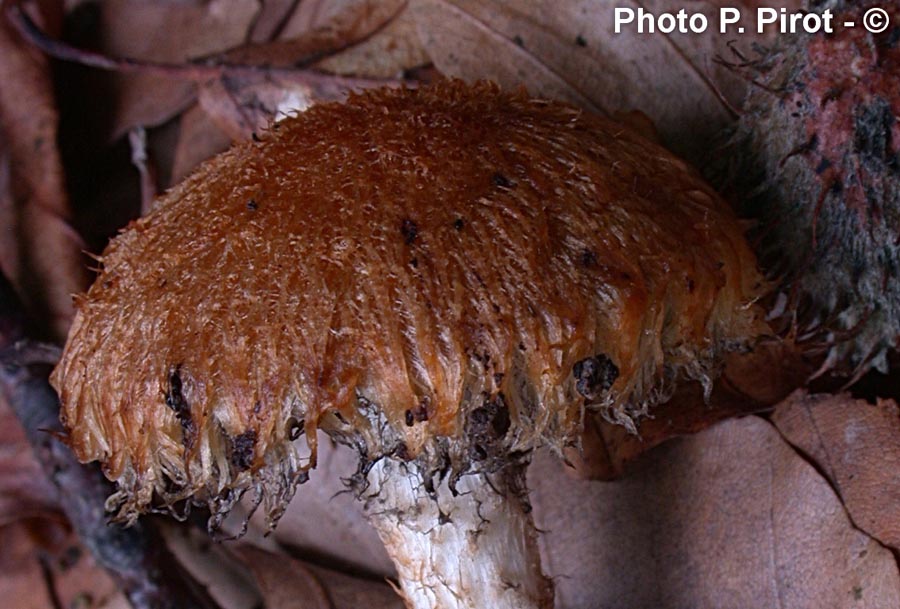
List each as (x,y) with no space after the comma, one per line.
(452,273)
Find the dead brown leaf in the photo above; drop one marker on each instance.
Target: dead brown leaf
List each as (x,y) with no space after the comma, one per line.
(316,30)
(355,18)
(349,35)
(198,139)
(287,583)
(387,53)
(569,51)
(211,565)
(41,251)
(768,374)
(242,104)
(24,490)
(172,32)
(37,577)
(857,446)
(270,20)
(9,246)
(730,517)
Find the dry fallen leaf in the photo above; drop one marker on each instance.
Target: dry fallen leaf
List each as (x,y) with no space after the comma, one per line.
(210,564)
(24,491)
(386,53)
(36,577)
(41,251)
(241,103)
(857,446)
(287,583)
(569,51)
(270,20)
(355,18)
(730,517)
(172,32)
(9,243)
(198,139)
(316,30)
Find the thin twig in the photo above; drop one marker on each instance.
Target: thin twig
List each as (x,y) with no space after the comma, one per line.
(49,582)
(136,557)
(137,139)
(194,71)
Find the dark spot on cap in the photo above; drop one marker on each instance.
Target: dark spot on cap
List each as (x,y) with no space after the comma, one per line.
(458,224)
(594,375)
(252,205)
(176,401)
(501,180)
(518,40)
(409,230)
(419,414)
(588,258)
(242,448)
(580,40)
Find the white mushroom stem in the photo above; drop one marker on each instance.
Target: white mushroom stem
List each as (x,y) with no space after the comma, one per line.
(475,550)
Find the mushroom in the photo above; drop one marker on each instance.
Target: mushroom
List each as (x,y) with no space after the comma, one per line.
(444,278)
(815,152)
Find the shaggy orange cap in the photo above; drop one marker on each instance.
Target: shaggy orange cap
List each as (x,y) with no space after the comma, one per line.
(451,273)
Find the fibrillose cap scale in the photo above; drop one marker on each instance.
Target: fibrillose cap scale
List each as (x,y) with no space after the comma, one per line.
(419,273)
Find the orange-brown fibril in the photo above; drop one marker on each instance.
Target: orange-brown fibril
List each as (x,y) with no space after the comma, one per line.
(445,278)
